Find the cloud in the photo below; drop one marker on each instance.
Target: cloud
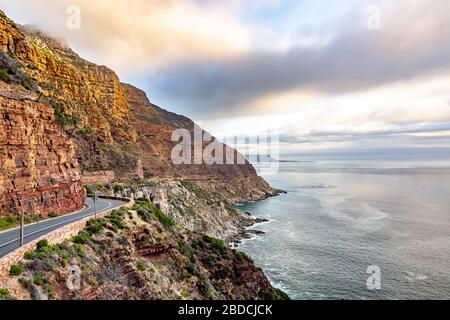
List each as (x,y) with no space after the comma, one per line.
(391,115)
(310,70)
(225,58)
(414,40)
(140,34)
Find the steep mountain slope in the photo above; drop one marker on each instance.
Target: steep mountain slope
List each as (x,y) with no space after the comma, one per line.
(238,182)
(114,125)
(38,171)
(64,120)
(138,254)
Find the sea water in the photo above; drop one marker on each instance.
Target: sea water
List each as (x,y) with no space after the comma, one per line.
(341,219)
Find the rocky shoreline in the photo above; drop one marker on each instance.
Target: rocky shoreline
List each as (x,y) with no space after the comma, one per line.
(249,221)
(244,231)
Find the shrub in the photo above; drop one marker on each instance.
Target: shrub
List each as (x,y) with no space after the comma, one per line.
(82,237)
(4,294)
(27,83)
(145,209)
(85,131)
(62,116)
(117,188)
(37,217)
(166,221)
(241,257)
(144,214)
(53,215)
(79,249)
(42,244)
(116,219)
(185,293)
(123,241)
(191,268)
(273,294)
(141,266)
(39,279)
(48,257)
(204,287)
(16,270)
(217,244)
(186,250)
(4,76)
(11,71)
(95,226)
(48,290)
(89,190)
(109,234)
(26,283)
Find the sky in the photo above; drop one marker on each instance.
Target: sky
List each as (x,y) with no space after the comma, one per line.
(349,76)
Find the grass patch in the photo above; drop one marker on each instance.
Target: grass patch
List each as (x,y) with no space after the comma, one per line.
(11,222)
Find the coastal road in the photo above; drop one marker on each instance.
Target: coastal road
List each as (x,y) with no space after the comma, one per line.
(9,240)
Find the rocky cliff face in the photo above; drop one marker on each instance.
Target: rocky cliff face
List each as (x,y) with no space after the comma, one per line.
(239,182)
(114,125)
(86,97)
(38,172)
(81,91)
(61,116)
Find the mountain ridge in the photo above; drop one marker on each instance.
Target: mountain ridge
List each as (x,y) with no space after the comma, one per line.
(66,122)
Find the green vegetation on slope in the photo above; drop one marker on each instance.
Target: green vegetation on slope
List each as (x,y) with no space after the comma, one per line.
(11,72)
(146,210)
(132,255)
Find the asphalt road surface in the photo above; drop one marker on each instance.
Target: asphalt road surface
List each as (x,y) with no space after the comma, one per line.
(9,240)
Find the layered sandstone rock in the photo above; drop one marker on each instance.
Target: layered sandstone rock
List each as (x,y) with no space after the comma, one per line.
(82,93)
(98,177)
(38,171)
(114,126)
(239,182)
(91,92)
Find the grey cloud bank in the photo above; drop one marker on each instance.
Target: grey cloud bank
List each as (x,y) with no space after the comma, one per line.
(218,61)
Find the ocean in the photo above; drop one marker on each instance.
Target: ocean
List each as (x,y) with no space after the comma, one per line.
(341,219)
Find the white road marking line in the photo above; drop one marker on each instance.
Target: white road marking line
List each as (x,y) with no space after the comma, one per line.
(47,220)
(56,225)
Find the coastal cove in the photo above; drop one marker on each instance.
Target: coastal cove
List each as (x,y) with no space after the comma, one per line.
(338,218)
